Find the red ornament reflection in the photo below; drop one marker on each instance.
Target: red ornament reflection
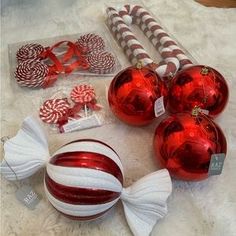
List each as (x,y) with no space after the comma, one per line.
(198,86)
(132,95)
(184,143)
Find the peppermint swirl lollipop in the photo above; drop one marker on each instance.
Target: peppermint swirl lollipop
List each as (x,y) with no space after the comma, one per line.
(101,62)
(31,73)
(90,42)
(29,51)
(53,110)
(83,93)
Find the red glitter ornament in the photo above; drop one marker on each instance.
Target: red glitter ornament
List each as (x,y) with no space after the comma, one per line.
(132,95)
(199,86)
(184,144)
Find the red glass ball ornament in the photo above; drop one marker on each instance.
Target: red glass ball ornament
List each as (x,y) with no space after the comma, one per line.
(132,95)
(183,143)
(84,179)
(199,86)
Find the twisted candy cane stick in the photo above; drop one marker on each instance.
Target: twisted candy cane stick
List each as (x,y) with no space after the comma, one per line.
(122,43)
(154,31)
(128,41)
(128,37)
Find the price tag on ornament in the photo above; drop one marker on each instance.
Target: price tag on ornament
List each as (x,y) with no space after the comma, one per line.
(216,164)
(82,123)
(159,108)
(28,196)
(204,111)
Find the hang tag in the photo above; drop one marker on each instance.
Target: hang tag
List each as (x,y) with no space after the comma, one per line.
(82,123)
(204,111)
(28,196)
(159,108)
(216,164)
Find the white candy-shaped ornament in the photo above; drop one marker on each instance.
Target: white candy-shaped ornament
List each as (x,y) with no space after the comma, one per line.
(84,178)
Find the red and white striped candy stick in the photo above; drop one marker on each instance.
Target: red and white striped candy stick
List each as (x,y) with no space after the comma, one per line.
(164,68)
(115,21)
(122,43)
(154,31)
(127,35)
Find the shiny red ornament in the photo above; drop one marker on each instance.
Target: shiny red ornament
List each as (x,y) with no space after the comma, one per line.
(183,143)
(199,86)
(132,95)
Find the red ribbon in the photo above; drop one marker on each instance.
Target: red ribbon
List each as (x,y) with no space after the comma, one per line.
(57,66)
(91,105)
(73,113)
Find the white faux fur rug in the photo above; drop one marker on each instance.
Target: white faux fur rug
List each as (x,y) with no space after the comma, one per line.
(206,208)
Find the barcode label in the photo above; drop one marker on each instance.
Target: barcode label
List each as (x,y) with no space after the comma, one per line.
(159,108)
(216,164)
(204,111)
(82,123)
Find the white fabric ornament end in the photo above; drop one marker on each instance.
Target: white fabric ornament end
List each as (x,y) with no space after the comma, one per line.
(25,153)
(145,201)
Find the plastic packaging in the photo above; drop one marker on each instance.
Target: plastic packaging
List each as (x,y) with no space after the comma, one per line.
(71,52)
(146,42)
(74,108)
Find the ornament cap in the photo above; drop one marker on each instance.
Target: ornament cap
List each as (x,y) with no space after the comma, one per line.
(195,111)
(205,70)
(139,65)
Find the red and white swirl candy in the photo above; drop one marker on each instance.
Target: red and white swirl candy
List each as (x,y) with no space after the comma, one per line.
(29,51)
(90,42)
(83,94)
(119,25)
(84,178)
(101,62)
(31,73)
(53,110)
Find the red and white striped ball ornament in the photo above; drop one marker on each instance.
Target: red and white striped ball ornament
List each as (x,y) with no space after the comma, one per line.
(84,178)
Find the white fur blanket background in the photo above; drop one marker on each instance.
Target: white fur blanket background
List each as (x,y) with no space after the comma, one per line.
(206,208)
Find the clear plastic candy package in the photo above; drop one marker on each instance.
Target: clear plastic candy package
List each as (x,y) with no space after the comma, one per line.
(81,106)
(40,63)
